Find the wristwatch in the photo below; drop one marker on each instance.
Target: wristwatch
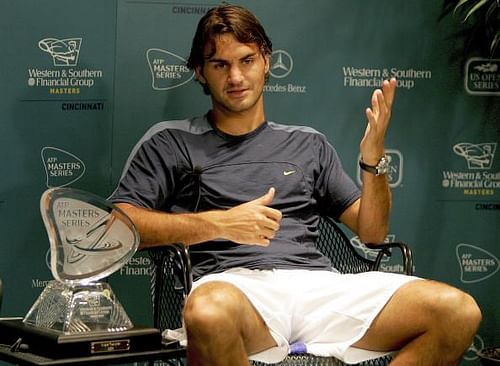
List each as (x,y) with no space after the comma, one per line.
(382,166)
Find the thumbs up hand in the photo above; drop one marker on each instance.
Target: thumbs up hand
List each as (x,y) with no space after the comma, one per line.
(253,222)
(264,200)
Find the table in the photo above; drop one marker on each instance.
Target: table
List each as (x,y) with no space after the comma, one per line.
(26,358)
(23,354)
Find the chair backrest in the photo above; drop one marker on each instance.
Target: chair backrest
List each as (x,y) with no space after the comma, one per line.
(333,243)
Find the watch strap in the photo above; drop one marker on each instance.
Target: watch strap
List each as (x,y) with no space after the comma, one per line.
(368,168)
(379,169)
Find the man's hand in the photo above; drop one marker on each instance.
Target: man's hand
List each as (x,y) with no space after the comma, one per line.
(252,222)
(369,216)
(372,144)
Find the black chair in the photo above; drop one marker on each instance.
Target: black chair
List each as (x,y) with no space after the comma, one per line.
(171,281)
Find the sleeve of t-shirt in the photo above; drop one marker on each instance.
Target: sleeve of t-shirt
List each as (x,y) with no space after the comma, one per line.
(335,190)
(148,177)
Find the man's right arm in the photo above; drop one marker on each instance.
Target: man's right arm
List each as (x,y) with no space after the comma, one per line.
(252,223)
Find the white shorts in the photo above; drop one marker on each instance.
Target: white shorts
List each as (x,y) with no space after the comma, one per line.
(326,311)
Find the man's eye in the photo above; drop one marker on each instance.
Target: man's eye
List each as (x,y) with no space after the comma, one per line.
(248,61)
(219,66)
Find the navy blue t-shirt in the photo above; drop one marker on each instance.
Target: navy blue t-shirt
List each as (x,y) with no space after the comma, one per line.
(190,166)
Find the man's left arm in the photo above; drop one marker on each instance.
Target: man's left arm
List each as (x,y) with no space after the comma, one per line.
(369,215)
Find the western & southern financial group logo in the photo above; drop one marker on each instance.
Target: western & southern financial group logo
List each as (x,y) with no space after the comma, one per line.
(66,77)
(476,264)
(368,77)
(64,52)
(478,156)
(478,180)
(168,70)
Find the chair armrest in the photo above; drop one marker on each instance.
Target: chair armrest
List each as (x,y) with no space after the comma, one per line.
(181,263)
(184,265)
(171,281)
(384,249)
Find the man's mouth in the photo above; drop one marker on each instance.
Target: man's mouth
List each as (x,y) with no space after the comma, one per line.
(237,92)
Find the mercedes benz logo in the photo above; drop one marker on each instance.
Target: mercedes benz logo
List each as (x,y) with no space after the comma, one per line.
(281,64)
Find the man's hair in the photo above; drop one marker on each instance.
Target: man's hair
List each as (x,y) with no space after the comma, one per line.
(226,19)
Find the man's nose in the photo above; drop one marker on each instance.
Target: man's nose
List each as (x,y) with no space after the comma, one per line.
(235,75)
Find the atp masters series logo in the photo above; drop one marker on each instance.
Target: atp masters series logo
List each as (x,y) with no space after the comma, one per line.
(61,167)
(168,70)
(65,76)
(476,264)
(478,179)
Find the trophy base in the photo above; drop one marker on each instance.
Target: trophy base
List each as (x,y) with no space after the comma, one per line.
(53,344)
(77,309)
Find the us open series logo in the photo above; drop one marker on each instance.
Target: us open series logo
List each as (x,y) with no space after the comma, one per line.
(482,76)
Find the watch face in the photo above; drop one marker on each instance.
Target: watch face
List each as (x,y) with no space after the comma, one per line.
(383,166)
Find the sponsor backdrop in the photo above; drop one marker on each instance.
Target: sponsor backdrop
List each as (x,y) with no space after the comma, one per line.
(83,80)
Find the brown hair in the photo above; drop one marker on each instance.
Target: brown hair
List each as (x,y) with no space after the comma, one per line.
(232,19)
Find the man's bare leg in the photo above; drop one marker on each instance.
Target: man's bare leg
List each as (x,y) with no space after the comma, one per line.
(430,322)
(223,327)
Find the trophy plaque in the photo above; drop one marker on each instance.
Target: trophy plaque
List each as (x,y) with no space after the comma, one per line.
(77,313)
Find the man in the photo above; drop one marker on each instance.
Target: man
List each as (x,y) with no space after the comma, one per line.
(245,194)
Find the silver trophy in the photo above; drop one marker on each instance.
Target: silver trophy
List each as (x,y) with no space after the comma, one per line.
(90,238)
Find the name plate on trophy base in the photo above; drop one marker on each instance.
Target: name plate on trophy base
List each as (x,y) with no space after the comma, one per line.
(54,344)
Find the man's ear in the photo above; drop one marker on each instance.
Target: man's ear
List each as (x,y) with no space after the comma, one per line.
(267,59)
(199,75)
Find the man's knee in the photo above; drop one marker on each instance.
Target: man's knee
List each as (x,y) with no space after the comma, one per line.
(453,306)
(468,309)
(211,306)
(457,301)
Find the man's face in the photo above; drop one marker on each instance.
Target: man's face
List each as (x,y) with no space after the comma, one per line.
(235,74)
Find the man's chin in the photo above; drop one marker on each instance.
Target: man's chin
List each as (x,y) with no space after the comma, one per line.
(238,106)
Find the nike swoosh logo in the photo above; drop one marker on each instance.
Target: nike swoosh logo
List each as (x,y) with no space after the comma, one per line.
(289,172)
